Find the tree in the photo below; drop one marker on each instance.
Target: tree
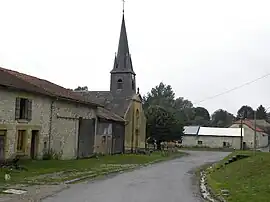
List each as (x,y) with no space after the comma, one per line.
(164,121)
(201,117)
(222,118)
(245,112)
(161,95)
(261,113)
(181,104)
(79,88)
(162,124)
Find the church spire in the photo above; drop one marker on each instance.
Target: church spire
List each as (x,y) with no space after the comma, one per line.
(123,61)
(123,81)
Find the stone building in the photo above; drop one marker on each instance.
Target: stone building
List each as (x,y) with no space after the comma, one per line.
(122,98)
(37,116)
(196,136)
(262,133)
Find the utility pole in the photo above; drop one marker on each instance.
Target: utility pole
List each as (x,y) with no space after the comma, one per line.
(255,128)
(241,139)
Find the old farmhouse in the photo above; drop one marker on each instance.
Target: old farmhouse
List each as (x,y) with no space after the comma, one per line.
(196,136)
(37,116)
(262,132)
(122,98)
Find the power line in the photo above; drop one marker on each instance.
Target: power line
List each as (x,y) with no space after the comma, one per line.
(233,89)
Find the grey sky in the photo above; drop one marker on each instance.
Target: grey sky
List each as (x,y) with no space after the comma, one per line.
(201,48)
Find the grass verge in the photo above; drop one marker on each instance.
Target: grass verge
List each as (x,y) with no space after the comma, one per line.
(56,171)
(247,180)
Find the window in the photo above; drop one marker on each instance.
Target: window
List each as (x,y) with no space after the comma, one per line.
(21,140)
(199,142)
(23,109)
(119,84)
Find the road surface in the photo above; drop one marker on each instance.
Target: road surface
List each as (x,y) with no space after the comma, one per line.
(168,181)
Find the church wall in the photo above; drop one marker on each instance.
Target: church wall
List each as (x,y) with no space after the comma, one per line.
(135,131)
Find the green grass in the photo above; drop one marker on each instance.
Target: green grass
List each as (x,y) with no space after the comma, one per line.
(247,180)
(77,168)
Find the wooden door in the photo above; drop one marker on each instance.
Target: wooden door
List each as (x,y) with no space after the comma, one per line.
(34,144)
(2,145)
(86,139)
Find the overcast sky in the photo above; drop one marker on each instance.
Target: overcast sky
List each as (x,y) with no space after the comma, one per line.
(201,48)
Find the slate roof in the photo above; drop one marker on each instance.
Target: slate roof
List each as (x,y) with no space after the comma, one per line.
(105,98)
(106,114)
(122,61)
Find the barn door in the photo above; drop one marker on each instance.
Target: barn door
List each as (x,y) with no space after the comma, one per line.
(118,138)
(86,139)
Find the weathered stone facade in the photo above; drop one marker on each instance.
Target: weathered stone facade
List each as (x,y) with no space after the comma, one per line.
(210,141)
(56,122)
(40,121)
(135,132)
(248,139)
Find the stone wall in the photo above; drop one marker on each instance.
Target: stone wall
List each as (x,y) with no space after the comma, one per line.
(210,141)
(65,126)
(262,138)
(135,123)
(49,116)
(40,120)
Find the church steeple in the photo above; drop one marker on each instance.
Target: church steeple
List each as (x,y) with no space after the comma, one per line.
(122,75)
(123,60)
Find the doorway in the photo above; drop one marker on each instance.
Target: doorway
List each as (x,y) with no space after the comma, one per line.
(2,144)
(34,144)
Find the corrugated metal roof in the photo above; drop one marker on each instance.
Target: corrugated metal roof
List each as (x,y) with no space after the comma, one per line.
(191,130)
(211,131)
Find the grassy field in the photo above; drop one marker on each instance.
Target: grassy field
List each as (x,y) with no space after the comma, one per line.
(247,180)
(55,171)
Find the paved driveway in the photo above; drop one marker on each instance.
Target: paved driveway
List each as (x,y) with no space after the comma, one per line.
(168,181)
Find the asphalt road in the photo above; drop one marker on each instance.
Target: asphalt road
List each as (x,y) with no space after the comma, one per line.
(171,181)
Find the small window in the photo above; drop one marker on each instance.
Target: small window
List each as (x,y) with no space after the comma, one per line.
(199,142)
(119,84)
(21,140)
(23,109)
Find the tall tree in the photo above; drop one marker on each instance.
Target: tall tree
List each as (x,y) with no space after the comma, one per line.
(162,125)
(201,117)
(261,113)
(81,88)
(222,118)
(161,95)
(245,112)
(181,103)
(164,122)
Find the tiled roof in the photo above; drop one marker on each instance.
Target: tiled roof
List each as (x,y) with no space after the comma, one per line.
(250,124)
(20,81)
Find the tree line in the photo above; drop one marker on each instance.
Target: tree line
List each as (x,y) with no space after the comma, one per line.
(167,114)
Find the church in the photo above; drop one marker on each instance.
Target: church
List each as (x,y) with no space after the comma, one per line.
(122,98)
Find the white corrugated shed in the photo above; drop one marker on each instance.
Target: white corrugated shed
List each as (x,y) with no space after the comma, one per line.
(212,131)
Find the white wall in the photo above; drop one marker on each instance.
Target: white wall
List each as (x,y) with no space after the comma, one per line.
(262,138)
(211,141)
